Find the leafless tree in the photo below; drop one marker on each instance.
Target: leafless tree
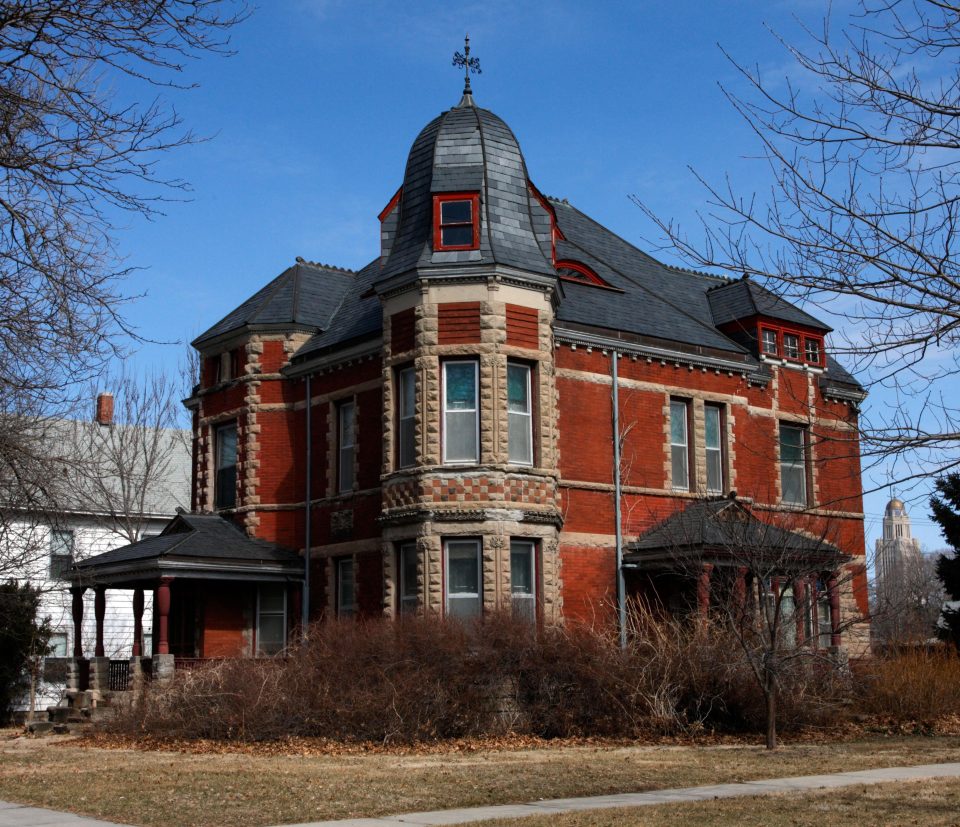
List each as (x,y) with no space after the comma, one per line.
(906,605)
(74,154)
(863,209)
(772,582)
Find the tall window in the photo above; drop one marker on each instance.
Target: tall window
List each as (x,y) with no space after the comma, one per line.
(406,416)
(461,422)
(409,594)
(520,414)
(456,224)
(523,592)
(824,622)
(225,491)
(346,604)
(61,553)
(271,619)
(346,445)
(463,578)
(793,464)
(680,444)
(713,426)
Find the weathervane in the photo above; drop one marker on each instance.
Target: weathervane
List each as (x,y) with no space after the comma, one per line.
(469,64)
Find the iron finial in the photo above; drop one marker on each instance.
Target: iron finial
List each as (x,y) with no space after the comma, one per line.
(469,64)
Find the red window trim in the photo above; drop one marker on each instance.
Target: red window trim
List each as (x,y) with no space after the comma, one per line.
(802,336)
(456,196)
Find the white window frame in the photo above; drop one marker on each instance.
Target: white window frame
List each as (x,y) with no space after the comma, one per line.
(797,355)
(261,614)
(792,465)
(816,358)
(524,604)
(344,608)
(674,483)
(522,419)
(714,452)
(60,636)
(406,419)
(764,331)
(472,596)
(346,452)
(476,412)
(407,603)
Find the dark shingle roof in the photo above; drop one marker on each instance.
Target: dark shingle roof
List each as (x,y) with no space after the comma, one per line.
(192,537)
(725,525)
(305,295)
(745,298)
(467,149)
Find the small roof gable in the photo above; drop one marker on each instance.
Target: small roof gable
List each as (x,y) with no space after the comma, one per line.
(188,544)
(305,295)
(724,527)
(745,298)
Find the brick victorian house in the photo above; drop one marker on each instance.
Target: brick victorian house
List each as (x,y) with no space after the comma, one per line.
(434,433)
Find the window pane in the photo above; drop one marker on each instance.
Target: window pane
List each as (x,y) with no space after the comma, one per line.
(61,542)
(408,442)
(408,571)
(457,236)
(346,424)
(518,395)
(712,425)
(791,444)
(789,618)
(813,350)
(227,446)
(345,587)
(794,484)
(272,598)
(791,346)
(461,436)
(407,434)
(408,393)
(225,494)
(271,636)
(521,438)
(460,386)
(463,570)
(453,212)
(678,456)
(58,645)
(463,607)
(521,568)
(770,342)
(714,471)
(678,423)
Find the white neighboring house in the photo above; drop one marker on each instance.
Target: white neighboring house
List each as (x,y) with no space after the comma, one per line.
(140,481)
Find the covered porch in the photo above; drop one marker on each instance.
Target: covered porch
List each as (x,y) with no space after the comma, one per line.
(216,594)
(716,557)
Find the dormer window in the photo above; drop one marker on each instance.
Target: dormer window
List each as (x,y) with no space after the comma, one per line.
(791,345)
(456,221)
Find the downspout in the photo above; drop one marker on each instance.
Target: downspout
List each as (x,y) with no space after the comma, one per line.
(617,493)
(305,597)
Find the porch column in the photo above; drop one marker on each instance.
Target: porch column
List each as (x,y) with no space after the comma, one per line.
(800,609)
(99,611)
(137,622)
(163,615)
(77,611)
(834,594)
(703,588)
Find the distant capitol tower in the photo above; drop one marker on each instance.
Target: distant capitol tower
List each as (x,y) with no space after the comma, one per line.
(897,549)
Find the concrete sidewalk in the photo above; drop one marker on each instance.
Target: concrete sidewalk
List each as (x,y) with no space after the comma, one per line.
(559,806)
(19,815)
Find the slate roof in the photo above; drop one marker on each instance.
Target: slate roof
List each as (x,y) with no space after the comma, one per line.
(744,298)
(188,538)
(467,149)
(725,525)
(305,295)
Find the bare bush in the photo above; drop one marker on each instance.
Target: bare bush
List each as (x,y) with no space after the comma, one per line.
(919,686)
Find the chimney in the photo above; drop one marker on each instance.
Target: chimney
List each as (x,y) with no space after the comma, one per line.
(104,412)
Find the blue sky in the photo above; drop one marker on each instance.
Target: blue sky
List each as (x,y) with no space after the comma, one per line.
(312,119)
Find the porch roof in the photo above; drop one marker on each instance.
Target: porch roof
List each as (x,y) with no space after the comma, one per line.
(726,531)
(191,545)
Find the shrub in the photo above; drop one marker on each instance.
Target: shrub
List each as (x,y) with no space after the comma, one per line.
(918,686)
(425,679)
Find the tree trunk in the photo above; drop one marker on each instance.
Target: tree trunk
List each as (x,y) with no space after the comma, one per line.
(771,698)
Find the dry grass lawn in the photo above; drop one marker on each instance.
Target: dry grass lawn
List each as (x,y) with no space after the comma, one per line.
(169,788)
(928,803)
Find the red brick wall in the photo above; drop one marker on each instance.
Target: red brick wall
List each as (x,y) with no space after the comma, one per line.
(522,326)
(458,323)
(227,616)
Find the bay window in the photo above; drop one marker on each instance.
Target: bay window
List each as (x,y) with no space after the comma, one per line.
(519,414)
(461,421)
(463,578)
